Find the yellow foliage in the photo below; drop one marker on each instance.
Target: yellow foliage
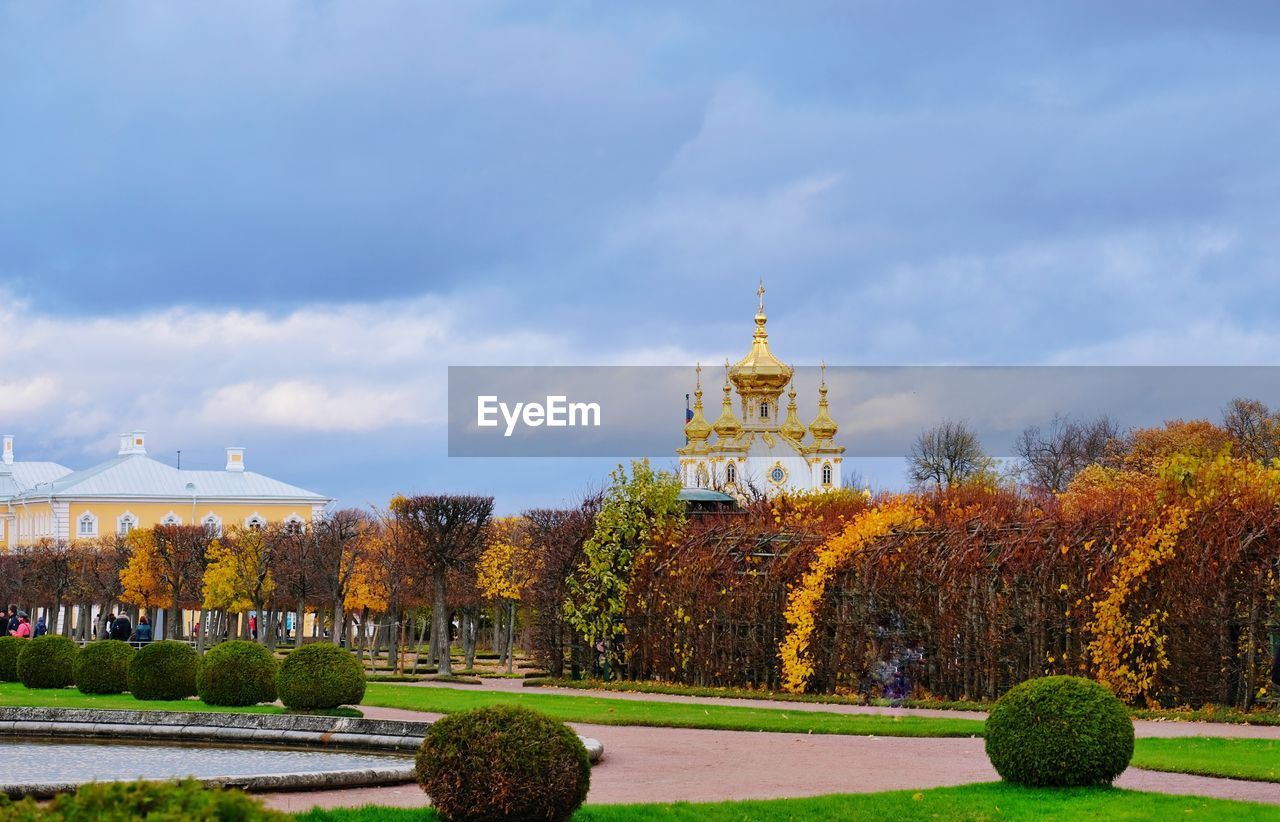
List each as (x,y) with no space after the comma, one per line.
(142,578)
(508,565)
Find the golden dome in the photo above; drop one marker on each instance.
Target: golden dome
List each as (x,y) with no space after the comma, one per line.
(697,429)
(823,427)
(792,428)
(760,372)
(728,426)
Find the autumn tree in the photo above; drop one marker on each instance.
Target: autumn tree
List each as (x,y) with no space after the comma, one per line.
(1254,427)
(448,534)
(238,578)
(947,454)
(506,570)
(636,509)
(166,569)
(342,541)
(1053,456)
(558,536)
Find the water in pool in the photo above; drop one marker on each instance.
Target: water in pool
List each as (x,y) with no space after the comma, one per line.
(32,763)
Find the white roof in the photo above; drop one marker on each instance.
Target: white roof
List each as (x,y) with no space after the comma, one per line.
(136,475)
(20,476)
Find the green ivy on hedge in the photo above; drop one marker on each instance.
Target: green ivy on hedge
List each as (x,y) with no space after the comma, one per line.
(164,670)
(1059,731)
(102,667)
(237,673)
(320,676)
(10,647)
(48,662)
(503,762)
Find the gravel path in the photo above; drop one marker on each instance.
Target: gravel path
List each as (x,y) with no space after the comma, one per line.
(675,764)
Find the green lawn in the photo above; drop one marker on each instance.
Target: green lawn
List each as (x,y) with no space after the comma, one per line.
(1253,759)
(15,694)
(990,801)
(604,711)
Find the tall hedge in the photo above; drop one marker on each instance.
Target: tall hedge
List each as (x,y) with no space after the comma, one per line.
(320,676)
(164,670)
(237,673)
(1059,731)
(503,762)
(10,647)
(47,662)
(102,667)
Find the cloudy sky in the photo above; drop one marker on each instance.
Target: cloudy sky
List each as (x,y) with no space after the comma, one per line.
(275,225)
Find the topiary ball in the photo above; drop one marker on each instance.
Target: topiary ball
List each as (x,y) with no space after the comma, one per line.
(319,677)
(1059,731)
(102,667)
(164,670)
(48,662)
(237,673)
(503,762)
(10,647)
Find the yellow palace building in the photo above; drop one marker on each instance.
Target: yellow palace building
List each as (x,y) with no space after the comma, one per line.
(45,500)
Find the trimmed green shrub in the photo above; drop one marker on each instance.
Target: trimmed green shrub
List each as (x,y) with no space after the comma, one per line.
(164,670)
(237,673)
(129,801)
(10,647)
(1059,731)
(503,762)
(320,676)
(47,662)
(102,667)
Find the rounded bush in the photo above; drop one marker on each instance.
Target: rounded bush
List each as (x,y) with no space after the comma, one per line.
(10,647)
(503,762)
(319,677)
(1059,731)
(237,673)
(164,670)
(47,662)
(102,667)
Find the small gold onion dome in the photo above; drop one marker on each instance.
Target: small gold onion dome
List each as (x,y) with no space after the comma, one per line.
(760,371)
(697,429)
(728,426)
(792,428)
(823,427)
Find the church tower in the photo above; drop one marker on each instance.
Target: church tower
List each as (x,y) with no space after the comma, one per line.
(757,449)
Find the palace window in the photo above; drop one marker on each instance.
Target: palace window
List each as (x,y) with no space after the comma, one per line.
(826,474)
(213,524)
(255,523)
(764,410)
(730,473)
(126,523)
(293,524)
(171,519)
(87,526)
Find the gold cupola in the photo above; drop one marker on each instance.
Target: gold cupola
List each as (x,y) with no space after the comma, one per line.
(792,428)
(697,429)
(760,372)
(728,426)
(823,428)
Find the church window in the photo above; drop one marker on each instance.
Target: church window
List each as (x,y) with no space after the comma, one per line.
(777,475)
(87,526)
(730,473)
(764,410)
(826,474)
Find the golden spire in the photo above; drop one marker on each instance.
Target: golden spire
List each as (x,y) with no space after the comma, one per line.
(792,428)
(728,426)
(697,429)
(760,372)
(823,427)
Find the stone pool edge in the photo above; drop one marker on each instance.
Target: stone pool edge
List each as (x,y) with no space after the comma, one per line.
(285,730)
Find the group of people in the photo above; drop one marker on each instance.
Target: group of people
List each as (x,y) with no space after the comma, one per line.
(117,626)
(18,623)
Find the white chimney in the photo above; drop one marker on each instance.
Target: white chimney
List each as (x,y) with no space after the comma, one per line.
(135,442)
(235,459)
(8,450)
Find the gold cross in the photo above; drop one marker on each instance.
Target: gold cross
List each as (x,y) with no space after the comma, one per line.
(760,293)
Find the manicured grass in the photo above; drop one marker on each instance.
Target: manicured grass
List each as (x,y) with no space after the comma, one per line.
(988,801)
(15,694)
(604,711)
(1254,759)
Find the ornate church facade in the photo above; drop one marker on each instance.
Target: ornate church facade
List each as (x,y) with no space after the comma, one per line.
(756,448)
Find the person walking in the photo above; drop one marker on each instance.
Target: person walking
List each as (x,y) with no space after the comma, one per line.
(121,628)
(41,627)
(11,622)
(24,627)
(142,634)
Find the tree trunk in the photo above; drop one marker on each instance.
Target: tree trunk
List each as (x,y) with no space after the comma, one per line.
(300,622)
(339,624)
(441,617)
(511,636)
